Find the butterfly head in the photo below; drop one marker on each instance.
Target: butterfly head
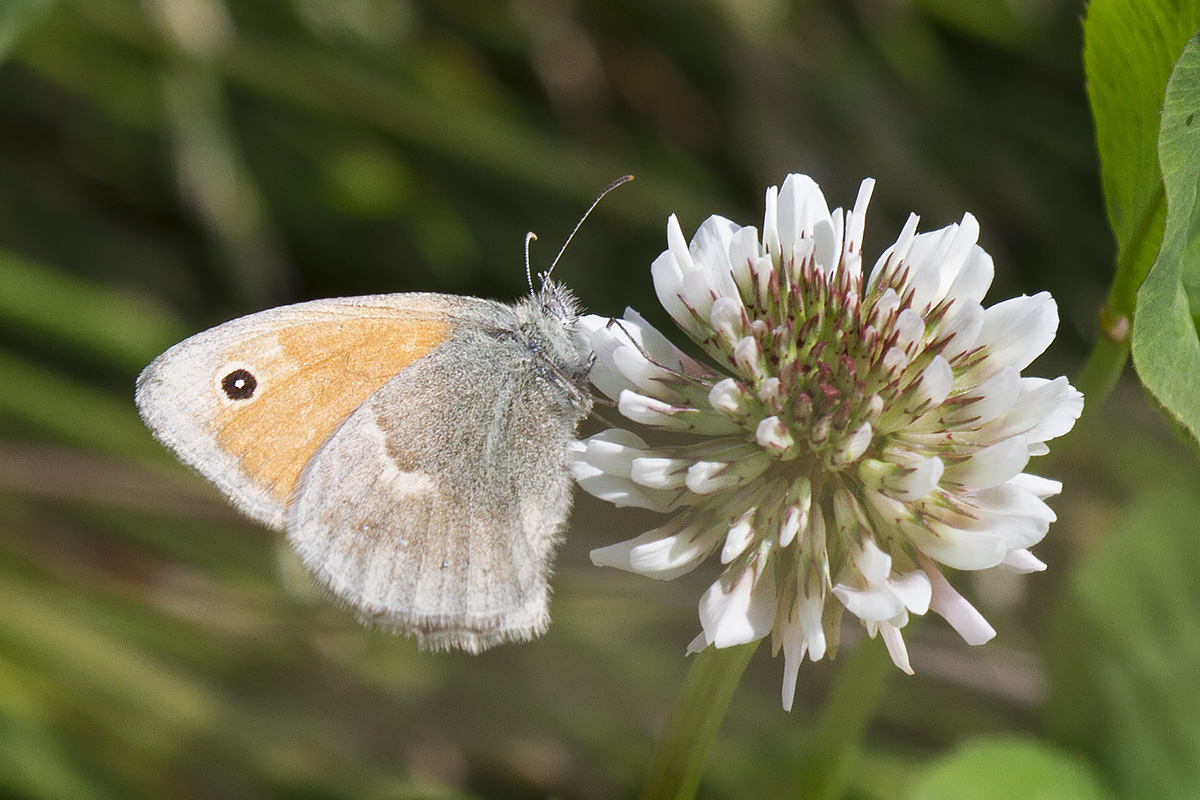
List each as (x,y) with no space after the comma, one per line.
(548,319)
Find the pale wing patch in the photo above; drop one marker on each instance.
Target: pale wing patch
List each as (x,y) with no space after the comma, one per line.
(406,483)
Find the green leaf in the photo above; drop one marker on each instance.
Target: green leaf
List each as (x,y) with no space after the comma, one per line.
(1008,769)
(16,17)
(1129,47)
(1166,350)
(1124,672)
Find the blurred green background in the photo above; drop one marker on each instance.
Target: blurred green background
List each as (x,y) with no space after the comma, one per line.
(169,164)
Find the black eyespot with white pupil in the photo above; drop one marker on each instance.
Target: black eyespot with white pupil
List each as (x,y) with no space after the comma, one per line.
(239,384)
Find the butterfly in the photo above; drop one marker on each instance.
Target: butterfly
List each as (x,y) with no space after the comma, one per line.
(414,447)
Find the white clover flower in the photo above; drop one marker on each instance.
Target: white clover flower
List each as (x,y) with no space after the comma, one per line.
(853,436)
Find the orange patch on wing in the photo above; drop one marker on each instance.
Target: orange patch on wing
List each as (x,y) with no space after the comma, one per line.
(311,376)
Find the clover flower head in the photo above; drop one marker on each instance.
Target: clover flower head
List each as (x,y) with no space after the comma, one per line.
(854,432)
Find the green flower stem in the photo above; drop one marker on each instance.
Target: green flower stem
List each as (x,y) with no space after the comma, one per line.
(1111,351)
(692,724)
(828,763)
(1103,369)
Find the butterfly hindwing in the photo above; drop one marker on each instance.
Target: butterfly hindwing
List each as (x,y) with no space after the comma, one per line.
(436,506)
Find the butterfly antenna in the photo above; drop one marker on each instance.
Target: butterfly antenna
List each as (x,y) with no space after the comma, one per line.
(529,237)
(623,179)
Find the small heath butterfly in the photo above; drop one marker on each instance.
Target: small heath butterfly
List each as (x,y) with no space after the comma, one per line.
(414,447)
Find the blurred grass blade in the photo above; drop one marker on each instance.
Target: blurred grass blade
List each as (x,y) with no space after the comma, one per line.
(1166,350)
(462,132)
(43,624)
(71,411)
(17,17)
(1125,653)
(122,330)
(34,763)
(213,177)
(79,476)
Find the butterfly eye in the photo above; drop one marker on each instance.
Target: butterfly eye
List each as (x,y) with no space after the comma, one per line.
(239,384)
